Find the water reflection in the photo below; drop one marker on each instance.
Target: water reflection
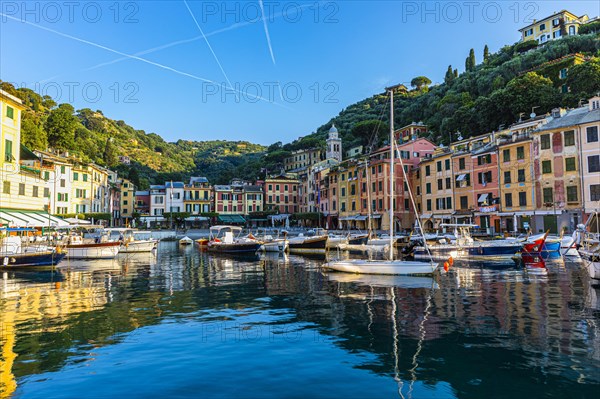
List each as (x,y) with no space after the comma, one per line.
(471,332)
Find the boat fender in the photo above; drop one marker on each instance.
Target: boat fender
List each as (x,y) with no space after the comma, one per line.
(446,266)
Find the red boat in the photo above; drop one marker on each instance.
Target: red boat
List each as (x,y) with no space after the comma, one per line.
(534,246)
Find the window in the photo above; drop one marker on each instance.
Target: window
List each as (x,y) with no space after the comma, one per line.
(35,192)
(448,202)
(507,177)
(343,191)
(571,193)
(542,27)
(46,192)
(484,177)
(461,163)
(571,30)
(85,177)
(563,73)
(545,141)
(62,169)
(427,170)
(75,176)
(447,164)
(418,190)
(506,155)
(548,195)
(521,152)
(8,152)
(21,188)
(592,134)
(10,112)
(448,183)
(594,163)
(570,165)
(380,186)
(522,198)
(508,200)
(439,166)
(46,175)
(406,204)
(521,175)
(353,190)
(440,184)
(556,34)
(428,188)
(429,203)
(6,187)
(556,22)
(464,202)
(595,192)
(546,167)
(379,169)
(569,138)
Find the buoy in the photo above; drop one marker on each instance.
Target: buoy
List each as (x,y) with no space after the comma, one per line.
(451,261)
(446,266)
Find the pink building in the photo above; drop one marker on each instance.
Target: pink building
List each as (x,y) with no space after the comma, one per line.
(486,186)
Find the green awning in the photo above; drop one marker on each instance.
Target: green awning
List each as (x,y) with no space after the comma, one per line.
(231,219)
(26,218)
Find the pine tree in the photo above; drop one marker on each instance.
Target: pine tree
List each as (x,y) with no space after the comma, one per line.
(470,61)
(456,73)
(449,78)
(486,53)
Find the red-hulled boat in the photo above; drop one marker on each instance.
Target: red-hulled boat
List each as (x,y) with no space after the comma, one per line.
(535,245)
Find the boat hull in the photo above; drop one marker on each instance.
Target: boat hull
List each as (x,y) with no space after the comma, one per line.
(592,261)
(309,245)
(28,259)
(138,246)
(275,246)
(382,267)
(334,242)
(358,240)
(220,247)
(106,250)
(478,252)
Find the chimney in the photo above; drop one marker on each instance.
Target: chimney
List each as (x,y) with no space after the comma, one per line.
(558,112)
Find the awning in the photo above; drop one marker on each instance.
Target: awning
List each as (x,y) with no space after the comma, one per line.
(279,217)
(231,219)
(482,198)
(462,216)
(14,218)
(376,216)
(346,218)
(557,212)
(529,213)
(426,216)
(196,218)
(461,177)
(442,216)
(360,217)
(146,219)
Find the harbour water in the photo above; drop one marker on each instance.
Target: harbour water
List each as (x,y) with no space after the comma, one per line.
(190,324)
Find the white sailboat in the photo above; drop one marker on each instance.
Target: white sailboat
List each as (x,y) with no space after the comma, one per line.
(590,246)
(390,266)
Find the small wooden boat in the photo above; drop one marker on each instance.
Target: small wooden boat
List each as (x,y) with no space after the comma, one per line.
(13,254)
(186,241)
(358,239)
(308,245)
(535,244)
(203,243)
(227,239)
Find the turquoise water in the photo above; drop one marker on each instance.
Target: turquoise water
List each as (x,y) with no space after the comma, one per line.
(188,324)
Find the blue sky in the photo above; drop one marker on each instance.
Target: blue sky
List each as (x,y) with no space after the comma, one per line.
(168,66)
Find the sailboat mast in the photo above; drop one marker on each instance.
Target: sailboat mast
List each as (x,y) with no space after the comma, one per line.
(369,210)
(392,173)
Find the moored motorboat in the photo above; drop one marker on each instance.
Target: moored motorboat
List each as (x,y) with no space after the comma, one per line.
(275,245)
(334,240)
(358,239)
(12,254)
(186,241)
(133,241)
(308,245)
(535,244)
(382,267)
(79,248)
(226,239)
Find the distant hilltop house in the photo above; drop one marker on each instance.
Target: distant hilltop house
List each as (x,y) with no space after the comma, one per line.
(305,158)
(411,132)
(124,159)
(555,26)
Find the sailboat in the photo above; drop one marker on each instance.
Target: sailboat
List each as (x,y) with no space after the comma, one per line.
(389,266)
(589,249)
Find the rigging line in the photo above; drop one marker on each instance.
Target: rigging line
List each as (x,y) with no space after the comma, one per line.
(395,344)
(379,119)
(208,43)
(156,64)
(412,200)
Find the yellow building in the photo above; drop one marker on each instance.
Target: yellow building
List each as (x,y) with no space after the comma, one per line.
(197,196)
(517,175)
(22,187)
(81,188)
(127,200)
(555,26)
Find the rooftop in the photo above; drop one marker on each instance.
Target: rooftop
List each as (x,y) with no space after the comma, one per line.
(573,117)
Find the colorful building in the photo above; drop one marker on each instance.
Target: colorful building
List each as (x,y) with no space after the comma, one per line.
(555,26)
(588,131)
(437,183)
(486,189)
(281,194)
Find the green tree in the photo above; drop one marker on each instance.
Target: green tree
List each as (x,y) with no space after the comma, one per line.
(370,132)
(110,153)
(60,126)
(525,92)
(420,82)
(470,61)
(449,78)
(33,134)
(486,53)
(134,176)
(584,79)
(456,73)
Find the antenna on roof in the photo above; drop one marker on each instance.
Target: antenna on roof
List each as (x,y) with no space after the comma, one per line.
(532,115)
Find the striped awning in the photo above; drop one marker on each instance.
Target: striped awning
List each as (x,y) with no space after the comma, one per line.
(231,219)
(17,218)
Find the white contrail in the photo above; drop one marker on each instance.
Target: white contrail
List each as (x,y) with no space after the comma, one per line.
(168,68)
(264,19)
(208,43)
